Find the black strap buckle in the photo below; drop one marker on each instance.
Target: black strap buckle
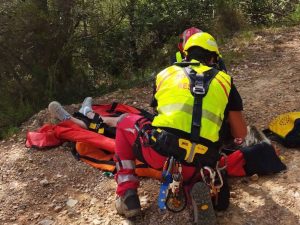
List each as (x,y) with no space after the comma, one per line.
(198,89)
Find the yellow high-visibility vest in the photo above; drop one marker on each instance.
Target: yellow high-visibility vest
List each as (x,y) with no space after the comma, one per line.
(175,101)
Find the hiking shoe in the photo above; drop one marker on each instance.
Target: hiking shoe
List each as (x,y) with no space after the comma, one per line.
(129,204)
(86,106)
(58,111)
(204,213)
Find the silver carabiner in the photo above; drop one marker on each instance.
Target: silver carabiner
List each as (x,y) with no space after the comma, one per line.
(220,178)
(225,164)
(211,172)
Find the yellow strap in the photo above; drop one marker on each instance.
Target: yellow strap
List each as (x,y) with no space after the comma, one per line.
(93,126)
(191,149)
(101,130)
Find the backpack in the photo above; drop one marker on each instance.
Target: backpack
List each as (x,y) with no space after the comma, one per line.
(285,129)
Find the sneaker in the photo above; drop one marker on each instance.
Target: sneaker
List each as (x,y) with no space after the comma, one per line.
(204,213)
(129,204)
(58,111)
(86,106)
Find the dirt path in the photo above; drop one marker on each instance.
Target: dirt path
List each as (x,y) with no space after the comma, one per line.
(49,187)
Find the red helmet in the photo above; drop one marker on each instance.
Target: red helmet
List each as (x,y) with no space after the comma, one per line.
(186,35)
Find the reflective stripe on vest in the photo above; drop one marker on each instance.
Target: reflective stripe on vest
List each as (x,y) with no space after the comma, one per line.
(189,109)
(178,56)
(175,101)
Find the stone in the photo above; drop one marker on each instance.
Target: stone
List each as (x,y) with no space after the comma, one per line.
(127,222)
(46,222)
(71,202)
(44,182)
(36,215)
(57,208)
(96,222)
(254,177)
(233,194)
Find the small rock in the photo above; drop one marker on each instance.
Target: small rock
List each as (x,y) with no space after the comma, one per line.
(46,222)
(233,194)
(72,213)
(96,222)
(58,175)
(107,222)
(36,215)
(93,201)
(64,212)
(51,206)
(21,211)
(57,208)
(126,222)
(71,202)
(44,182)
(254,177)
(144,200)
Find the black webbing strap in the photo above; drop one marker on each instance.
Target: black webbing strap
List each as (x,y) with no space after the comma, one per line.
(113,107)
(199,88)
(142,125)
(97,119)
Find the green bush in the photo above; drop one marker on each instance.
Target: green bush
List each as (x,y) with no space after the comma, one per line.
(8,132)
(12,114)
(295,16)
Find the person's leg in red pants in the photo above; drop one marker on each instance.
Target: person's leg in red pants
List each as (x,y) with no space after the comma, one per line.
(127,203)
(127,181)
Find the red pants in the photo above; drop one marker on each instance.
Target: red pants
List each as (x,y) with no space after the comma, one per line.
(125,138)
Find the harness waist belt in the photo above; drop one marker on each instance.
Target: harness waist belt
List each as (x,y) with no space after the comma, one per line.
(203,153)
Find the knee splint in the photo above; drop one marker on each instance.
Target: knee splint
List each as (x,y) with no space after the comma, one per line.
(97,124)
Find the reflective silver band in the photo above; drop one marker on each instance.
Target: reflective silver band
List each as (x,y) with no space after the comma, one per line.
(125,164)
(126,177)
